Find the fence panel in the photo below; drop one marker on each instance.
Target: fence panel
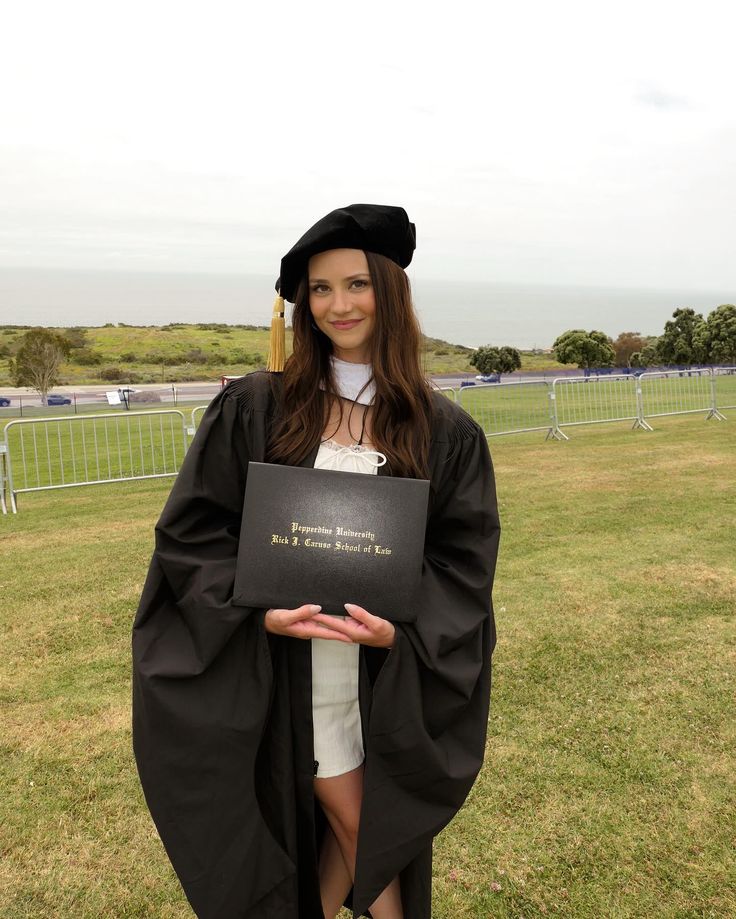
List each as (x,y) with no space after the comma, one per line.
(55,453)
(197,413)
(724,381)
(677,392)
(594,400)
(508,408)
(3,458)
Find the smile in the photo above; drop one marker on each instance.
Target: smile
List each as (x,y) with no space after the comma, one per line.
(346,324)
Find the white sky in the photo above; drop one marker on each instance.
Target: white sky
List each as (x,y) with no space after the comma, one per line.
(567,142)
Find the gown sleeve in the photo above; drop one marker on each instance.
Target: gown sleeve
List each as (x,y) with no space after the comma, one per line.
(461,548)
(202,678)
(196,544)
(429,713)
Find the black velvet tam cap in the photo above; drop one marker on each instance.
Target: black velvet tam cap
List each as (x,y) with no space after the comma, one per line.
(371,227)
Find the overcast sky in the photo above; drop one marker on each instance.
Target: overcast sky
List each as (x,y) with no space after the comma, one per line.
(567,142)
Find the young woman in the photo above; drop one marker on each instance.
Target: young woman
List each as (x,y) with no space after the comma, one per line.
(295,761)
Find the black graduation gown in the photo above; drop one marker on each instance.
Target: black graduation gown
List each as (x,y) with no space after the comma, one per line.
(222,721)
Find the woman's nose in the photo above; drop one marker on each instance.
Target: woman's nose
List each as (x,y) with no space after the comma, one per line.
(341,301)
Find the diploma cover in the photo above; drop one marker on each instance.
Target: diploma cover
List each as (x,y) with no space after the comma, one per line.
(330,537)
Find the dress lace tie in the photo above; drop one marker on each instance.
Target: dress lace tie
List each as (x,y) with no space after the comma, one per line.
(348,458)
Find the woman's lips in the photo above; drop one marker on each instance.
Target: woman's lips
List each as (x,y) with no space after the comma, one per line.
(349,324)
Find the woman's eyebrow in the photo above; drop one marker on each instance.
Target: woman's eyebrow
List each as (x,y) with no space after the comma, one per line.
(350,277)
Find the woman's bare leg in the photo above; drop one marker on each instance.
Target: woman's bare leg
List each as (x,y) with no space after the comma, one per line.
(341,797)
(334,878)
(388,904)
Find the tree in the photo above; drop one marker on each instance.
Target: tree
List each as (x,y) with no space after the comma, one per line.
(38,359)
(488,359)
(76,336)
(721,335)
(586,349)
(627,344)
(684,340)
(648,354)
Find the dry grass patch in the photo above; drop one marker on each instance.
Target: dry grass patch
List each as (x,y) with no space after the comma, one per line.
(721,579)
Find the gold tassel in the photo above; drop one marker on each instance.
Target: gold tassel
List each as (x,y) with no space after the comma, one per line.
(277,345)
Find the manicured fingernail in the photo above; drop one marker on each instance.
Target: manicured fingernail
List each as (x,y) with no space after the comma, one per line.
(315,609)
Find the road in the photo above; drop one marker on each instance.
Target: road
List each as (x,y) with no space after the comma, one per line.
(197,392)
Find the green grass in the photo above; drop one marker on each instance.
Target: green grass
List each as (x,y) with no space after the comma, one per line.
(608,788)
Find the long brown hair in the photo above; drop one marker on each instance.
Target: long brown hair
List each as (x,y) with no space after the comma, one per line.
(402,406)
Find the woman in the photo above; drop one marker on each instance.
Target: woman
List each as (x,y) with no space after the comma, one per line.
(293,760)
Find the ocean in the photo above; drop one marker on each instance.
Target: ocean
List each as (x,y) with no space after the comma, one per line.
(473,314)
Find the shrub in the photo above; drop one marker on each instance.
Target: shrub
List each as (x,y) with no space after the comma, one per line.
(169,360)
(184,376)
(195,356)
(113,374)
(85,357)
(239,356)
(76,337)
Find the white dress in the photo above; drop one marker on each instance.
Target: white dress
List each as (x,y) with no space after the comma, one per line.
(338,734)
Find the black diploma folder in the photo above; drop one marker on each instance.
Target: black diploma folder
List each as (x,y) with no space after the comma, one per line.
(330,537)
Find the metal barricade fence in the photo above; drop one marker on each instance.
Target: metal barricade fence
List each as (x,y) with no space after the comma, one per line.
(38,454)
(197,412)
(51,453)
(3,462)
(508,408)
(593,400)
(677,392)
(724,382)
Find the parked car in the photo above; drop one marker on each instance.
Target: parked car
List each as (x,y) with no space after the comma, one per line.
(58,400)
(4,402)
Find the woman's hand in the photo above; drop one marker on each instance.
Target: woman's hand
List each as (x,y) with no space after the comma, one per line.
(304,622)
(361,626)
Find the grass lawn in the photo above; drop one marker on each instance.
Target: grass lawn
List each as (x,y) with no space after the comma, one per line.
(609,785)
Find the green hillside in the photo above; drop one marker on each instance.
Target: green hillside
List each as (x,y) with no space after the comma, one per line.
(178,353)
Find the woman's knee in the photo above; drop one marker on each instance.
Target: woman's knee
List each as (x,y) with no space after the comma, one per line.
(343,815)
(345,823)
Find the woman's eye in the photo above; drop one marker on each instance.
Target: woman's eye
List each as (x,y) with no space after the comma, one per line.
(358,284)
(319,288)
